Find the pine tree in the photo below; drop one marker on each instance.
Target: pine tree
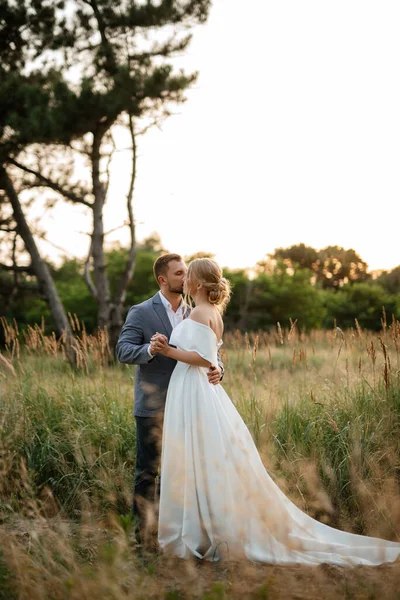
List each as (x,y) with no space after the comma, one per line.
(121,55)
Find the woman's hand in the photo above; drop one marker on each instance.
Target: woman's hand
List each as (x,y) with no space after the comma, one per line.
(159,344)
(158,335)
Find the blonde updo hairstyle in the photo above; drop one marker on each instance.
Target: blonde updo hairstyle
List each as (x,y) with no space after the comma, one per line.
(209,274)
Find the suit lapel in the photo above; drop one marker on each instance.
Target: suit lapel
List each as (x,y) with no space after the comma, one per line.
(162,314)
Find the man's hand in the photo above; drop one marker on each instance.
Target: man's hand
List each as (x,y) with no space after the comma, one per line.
(214,375)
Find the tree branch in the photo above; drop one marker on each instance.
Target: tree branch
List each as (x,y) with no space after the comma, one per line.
(124,224)
(111,65)
(109,159)
(18,269)
(46,182)
(7,290)
(130,264)
(167,49)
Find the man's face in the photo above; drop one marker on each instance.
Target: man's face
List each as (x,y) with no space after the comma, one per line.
(175,276)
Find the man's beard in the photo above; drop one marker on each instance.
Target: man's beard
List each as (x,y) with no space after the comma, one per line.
(175,290)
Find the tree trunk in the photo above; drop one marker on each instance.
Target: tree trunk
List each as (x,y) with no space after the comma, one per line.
(97,245)
(116,319)
(45,280)
(115,325)
(110,310)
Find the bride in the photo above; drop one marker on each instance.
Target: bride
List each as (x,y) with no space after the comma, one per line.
(216,498)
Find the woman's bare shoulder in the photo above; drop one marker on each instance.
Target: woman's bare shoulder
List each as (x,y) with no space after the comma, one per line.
(208,316)
(201,315)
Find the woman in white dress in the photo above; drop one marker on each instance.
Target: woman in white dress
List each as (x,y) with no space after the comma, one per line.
(217,499)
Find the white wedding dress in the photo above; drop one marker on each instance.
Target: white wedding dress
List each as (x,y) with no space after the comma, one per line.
(217,499)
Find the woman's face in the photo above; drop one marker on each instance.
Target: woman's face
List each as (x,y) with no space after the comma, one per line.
(186,286)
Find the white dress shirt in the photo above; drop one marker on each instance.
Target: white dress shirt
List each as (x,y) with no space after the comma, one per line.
(174,317)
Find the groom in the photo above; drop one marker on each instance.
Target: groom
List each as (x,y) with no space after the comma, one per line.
(161,313)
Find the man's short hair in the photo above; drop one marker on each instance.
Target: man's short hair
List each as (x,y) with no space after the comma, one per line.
(161,265)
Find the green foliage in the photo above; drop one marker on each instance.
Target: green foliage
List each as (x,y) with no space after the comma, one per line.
(44,107)
(75,294)
(390,280)
(300,255)
(292,296)
(272,298)
(332,266)
(255,303)
(143,284)
(26,308)
(363,301)
(337,266)
(237,311)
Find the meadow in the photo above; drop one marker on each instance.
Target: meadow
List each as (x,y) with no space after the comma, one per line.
(323,408)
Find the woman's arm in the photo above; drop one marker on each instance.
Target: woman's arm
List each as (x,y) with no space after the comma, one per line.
(161,346)
(190,358)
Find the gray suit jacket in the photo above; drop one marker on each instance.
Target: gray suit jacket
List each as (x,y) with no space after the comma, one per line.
(152,374)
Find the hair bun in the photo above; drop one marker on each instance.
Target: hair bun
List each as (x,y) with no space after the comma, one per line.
(219,291)
(207,272)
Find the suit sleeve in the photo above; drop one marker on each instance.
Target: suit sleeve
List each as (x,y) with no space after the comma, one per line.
(221,365)
(130,348)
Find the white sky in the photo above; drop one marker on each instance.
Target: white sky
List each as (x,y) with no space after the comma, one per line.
(292,134)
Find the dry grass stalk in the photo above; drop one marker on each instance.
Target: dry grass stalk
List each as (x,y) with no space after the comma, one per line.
(6,363)
(384,322)
(279,328)
(254,350)
(358,328)
(386,365)
(11,337)
(292,329)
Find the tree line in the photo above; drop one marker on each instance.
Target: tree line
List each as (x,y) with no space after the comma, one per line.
(319,289)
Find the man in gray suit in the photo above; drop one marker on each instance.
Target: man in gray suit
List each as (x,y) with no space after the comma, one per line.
(161,314)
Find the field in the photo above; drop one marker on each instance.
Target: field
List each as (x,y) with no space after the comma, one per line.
(323,408)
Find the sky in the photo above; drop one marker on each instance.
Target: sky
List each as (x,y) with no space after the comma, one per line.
(291,134)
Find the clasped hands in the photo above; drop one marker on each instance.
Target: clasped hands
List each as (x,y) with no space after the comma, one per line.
(159,345)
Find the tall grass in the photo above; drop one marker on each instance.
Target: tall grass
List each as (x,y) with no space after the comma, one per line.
(323,408)
(330,399)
